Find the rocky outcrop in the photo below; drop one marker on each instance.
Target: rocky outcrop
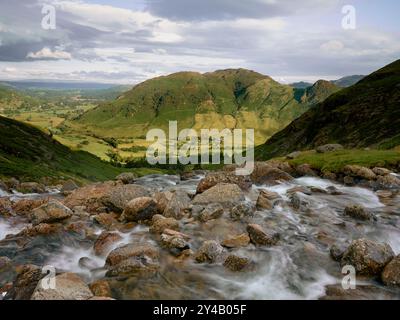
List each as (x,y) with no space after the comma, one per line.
(367,257)
(51,212)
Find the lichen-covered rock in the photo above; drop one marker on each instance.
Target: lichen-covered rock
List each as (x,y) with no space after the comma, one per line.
(236,263)
(228,195)
(359,212)
(211,251)
(306,170)
(69,286)
(131,250)
(387,182)
(133,260)
(178,205)
(268,173)
(68,187)
(359,172)
(31,187)
(210,212)
(51,212)
(391,273)
(214,178)
(101,288)
(140,209)
(42,229)
(242,210)
(25,283)
(381,171)
(160,223)
(367,257)
(126,177)
(241,240)
(261,237)
(116,199)
(24,207)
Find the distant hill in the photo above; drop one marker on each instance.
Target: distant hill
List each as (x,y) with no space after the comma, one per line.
(318,92)
(28,153)
(13,99)
(365,114)
(348,81)
(57,85)
(233,98)
(301,85)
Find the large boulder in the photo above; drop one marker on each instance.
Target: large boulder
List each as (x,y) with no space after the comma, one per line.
(213,178)
(90,196)
(133,260)
(178,204)
(391,273)
(359,172)
(51,212)
(387,182)
(228,195)
(268,173)
(306,169)
(127,177)
(367,257)
(69,286)
(381,171)
(140,209)
(329,148)
(131,251)
(117,198)
(359,212)
(210,251)
(261,237)
(68,187)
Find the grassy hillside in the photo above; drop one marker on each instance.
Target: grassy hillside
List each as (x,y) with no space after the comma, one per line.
(234,98)
(12,99)
(29,154)
(366,114)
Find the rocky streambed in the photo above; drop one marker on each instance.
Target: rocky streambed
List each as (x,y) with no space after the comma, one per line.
(282,233)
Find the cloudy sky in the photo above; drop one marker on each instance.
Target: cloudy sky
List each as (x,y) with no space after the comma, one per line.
(128,41)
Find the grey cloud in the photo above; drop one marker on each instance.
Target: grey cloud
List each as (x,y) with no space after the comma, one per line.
(230,9)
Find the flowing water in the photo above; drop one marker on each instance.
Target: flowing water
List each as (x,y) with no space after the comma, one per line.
(299,267)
